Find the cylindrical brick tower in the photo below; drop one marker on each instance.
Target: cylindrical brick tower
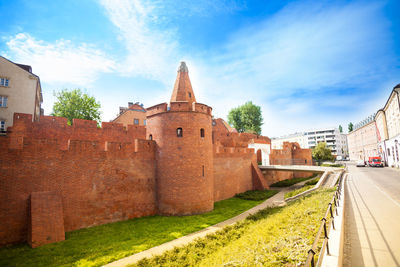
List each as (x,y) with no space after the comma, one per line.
(183,133)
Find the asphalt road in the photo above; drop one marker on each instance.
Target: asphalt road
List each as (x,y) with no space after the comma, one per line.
(372,217)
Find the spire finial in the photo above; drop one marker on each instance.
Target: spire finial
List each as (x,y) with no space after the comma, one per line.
(183,67)
(183,90)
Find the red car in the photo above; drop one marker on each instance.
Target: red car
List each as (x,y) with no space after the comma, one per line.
(375,162)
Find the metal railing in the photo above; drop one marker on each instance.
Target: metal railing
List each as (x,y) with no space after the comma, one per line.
(331,212)
(290,162)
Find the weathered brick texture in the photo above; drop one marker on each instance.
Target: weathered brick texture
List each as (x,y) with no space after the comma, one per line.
(101,178)
(62,178)
(290,154)
(46,219)
(184,164)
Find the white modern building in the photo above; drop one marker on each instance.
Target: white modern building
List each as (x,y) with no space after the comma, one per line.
(335,140)
(300,138)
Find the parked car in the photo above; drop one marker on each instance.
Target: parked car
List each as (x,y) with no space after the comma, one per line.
(375,162)
(360,163)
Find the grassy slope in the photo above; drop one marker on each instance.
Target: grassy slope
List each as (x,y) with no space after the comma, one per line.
(273,237)
(289,182)
(102,244)
(298,191)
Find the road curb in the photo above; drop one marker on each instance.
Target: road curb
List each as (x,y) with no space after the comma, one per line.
(336,236)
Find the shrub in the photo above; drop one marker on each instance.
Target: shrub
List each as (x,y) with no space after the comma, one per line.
(313,181)
(289,182)
(257,194)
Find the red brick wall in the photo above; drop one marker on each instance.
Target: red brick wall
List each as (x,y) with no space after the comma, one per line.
(290,154)
(46,218)
(184,164)
(236,139)
(276,176)
(232,172)
(100,180)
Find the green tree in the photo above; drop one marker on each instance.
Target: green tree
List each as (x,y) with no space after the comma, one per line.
(321,152)
(246,118)
(351,127)
(73,104)
(340,129)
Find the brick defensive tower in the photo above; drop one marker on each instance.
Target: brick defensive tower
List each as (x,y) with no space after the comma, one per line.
(183,133)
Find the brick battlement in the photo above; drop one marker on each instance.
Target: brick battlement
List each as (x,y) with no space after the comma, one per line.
(238,139)
(179,106)
(224,150)
(56,132)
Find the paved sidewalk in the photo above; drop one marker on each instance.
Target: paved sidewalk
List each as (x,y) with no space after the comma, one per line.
(276,200)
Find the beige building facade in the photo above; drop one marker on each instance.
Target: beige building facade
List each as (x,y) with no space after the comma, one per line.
(134,114)
(363,142)
(20,91)
(388,128)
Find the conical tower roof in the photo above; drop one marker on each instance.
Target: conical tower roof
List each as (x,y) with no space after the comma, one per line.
(183,90)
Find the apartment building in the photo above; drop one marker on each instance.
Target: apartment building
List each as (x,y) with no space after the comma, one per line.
(134,114)
(335,140)
(20,91)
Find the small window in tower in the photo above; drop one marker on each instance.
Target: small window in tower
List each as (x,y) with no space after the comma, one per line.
(190,95)
(144,122)
(202,132)
(203,170)
(136,121)
(151,137)
(179,132)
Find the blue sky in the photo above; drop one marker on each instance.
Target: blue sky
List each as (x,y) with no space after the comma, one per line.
(308,64)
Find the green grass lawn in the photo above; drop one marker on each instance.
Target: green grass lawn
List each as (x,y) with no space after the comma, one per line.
(289,182)
(279,236)
(102,244)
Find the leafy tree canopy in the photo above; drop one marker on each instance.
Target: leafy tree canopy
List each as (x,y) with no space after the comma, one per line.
(73,104)
(246,118)
(351,127)
(340,128)
(322,152)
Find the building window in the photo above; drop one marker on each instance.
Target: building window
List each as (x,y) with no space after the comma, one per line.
(3,101)
(4,82)
(136,121)
(214,123)
(179,132)
(190,95)
(202,132)
(144,122)
(151,137)
(2,126)
(203,170)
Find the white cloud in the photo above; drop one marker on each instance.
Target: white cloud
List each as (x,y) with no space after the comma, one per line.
(151,52)
(302,48)
(61,61)
(149,30)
